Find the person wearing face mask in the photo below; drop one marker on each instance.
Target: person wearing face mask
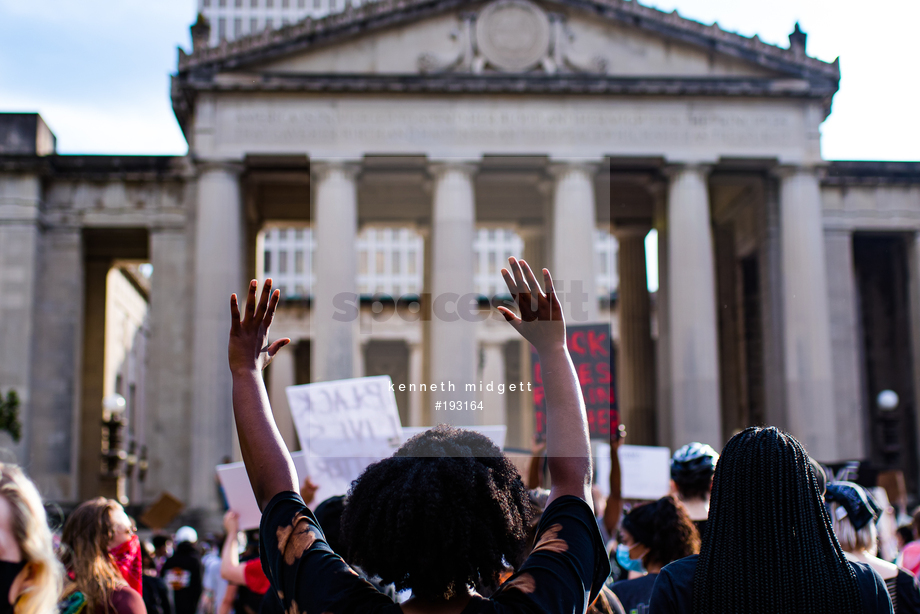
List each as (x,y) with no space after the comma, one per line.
(30,575)
(651,536)
(102,554)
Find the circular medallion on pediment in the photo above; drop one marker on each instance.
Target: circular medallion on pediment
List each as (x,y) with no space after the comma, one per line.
(513,35)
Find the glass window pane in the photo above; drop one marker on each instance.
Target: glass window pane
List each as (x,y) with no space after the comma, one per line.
(268,262)
(362,262)
(394,263)
(380,261)
(282,262)
(298,261)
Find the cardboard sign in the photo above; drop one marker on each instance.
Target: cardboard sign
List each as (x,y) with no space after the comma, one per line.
(162,512)
(351,418)
(494,432)
(344,426)
(591,349)
(238,490)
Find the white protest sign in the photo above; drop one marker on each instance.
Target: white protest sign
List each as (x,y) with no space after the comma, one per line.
(346,418)
(495,432)
(344,426)
(238,490)
(334,475)
(645,472)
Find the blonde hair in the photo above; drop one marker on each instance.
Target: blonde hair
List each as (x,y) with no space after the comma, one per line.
(85,541)
(29,525)
(850,539)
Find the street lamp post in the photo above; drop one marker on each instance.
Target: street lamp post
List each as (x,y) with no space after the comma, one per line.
(112,478)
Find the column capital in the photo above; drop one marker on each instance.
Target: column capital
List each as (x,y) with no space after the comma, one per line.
(321,169)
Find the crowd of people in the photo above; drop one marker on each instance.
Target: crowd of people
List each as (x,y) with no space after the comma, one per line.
(447,525)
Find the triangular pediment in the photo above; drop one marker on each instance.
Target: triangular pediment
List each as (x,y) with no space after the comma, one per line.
(612,37)
(505,46)
(511,37)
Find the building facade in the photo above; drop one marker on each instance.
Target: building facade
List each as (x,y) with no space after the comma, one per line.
(789,285)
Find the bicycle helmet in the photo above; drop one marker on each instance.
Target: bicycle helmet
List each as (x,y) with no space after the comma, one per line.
(692,467)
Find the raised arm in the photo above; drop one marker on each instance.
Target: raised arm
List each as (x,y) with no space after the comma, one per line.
(267,460)
(614,506)
(542,324)
(230,568)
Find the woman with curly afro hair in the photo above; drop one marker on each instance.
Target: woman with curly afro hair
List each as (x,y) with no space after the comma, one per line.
(651,536)
(448,512)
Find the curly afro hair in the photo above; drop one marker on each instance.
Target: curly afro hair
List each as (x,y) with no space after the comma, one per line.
(446,512)
(665,528)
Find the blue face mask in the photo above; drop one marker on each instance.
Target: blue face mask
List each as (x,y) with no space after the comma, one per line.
(624,560)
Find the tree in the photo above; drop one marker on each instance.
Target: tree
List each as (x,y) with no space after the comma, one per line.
(9,415)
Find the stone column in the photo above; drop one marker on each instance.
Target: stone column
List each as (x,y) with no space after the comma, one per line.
(692,325)
(218,273)
(56,346)
(535,249)
(282,375)
(335,349)
(452,350)
(573,232)
(806,317)
(635,359)
(169,383)
(493,374)
(92,390)
(20,198)
(416,375)
(845,343)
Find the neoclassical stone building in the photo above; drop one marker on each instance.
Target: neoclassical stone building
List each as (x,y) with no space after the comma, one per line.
(789,285)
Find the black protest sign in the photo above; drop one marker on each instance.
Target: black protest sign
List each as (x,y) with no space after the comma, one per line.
(591,349)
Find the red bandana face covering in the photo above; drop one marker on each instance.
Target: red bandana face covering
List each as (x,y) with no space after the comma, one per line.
(127,558)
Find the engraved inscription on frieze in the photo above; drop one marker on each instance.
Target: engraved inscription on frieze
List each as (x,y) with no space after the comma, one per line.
(390,127)
(513,35)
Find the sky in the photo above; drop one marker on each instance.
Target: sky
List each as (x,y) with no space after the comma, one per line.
(98,70)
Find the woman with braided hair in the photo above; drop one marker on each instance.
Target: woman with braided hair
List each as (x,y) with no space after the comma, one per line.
(769,543)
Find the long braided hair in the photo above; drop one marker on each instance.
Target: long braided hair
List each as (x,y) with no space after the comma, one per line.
(769,544)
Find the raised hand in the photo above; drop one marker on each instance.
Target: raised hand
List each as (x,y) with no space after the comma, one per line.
(249,349)
(232,523)
(541,321)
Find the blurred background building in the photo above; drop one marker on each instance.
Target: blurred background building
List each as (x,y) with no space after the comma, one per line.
(377,159)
